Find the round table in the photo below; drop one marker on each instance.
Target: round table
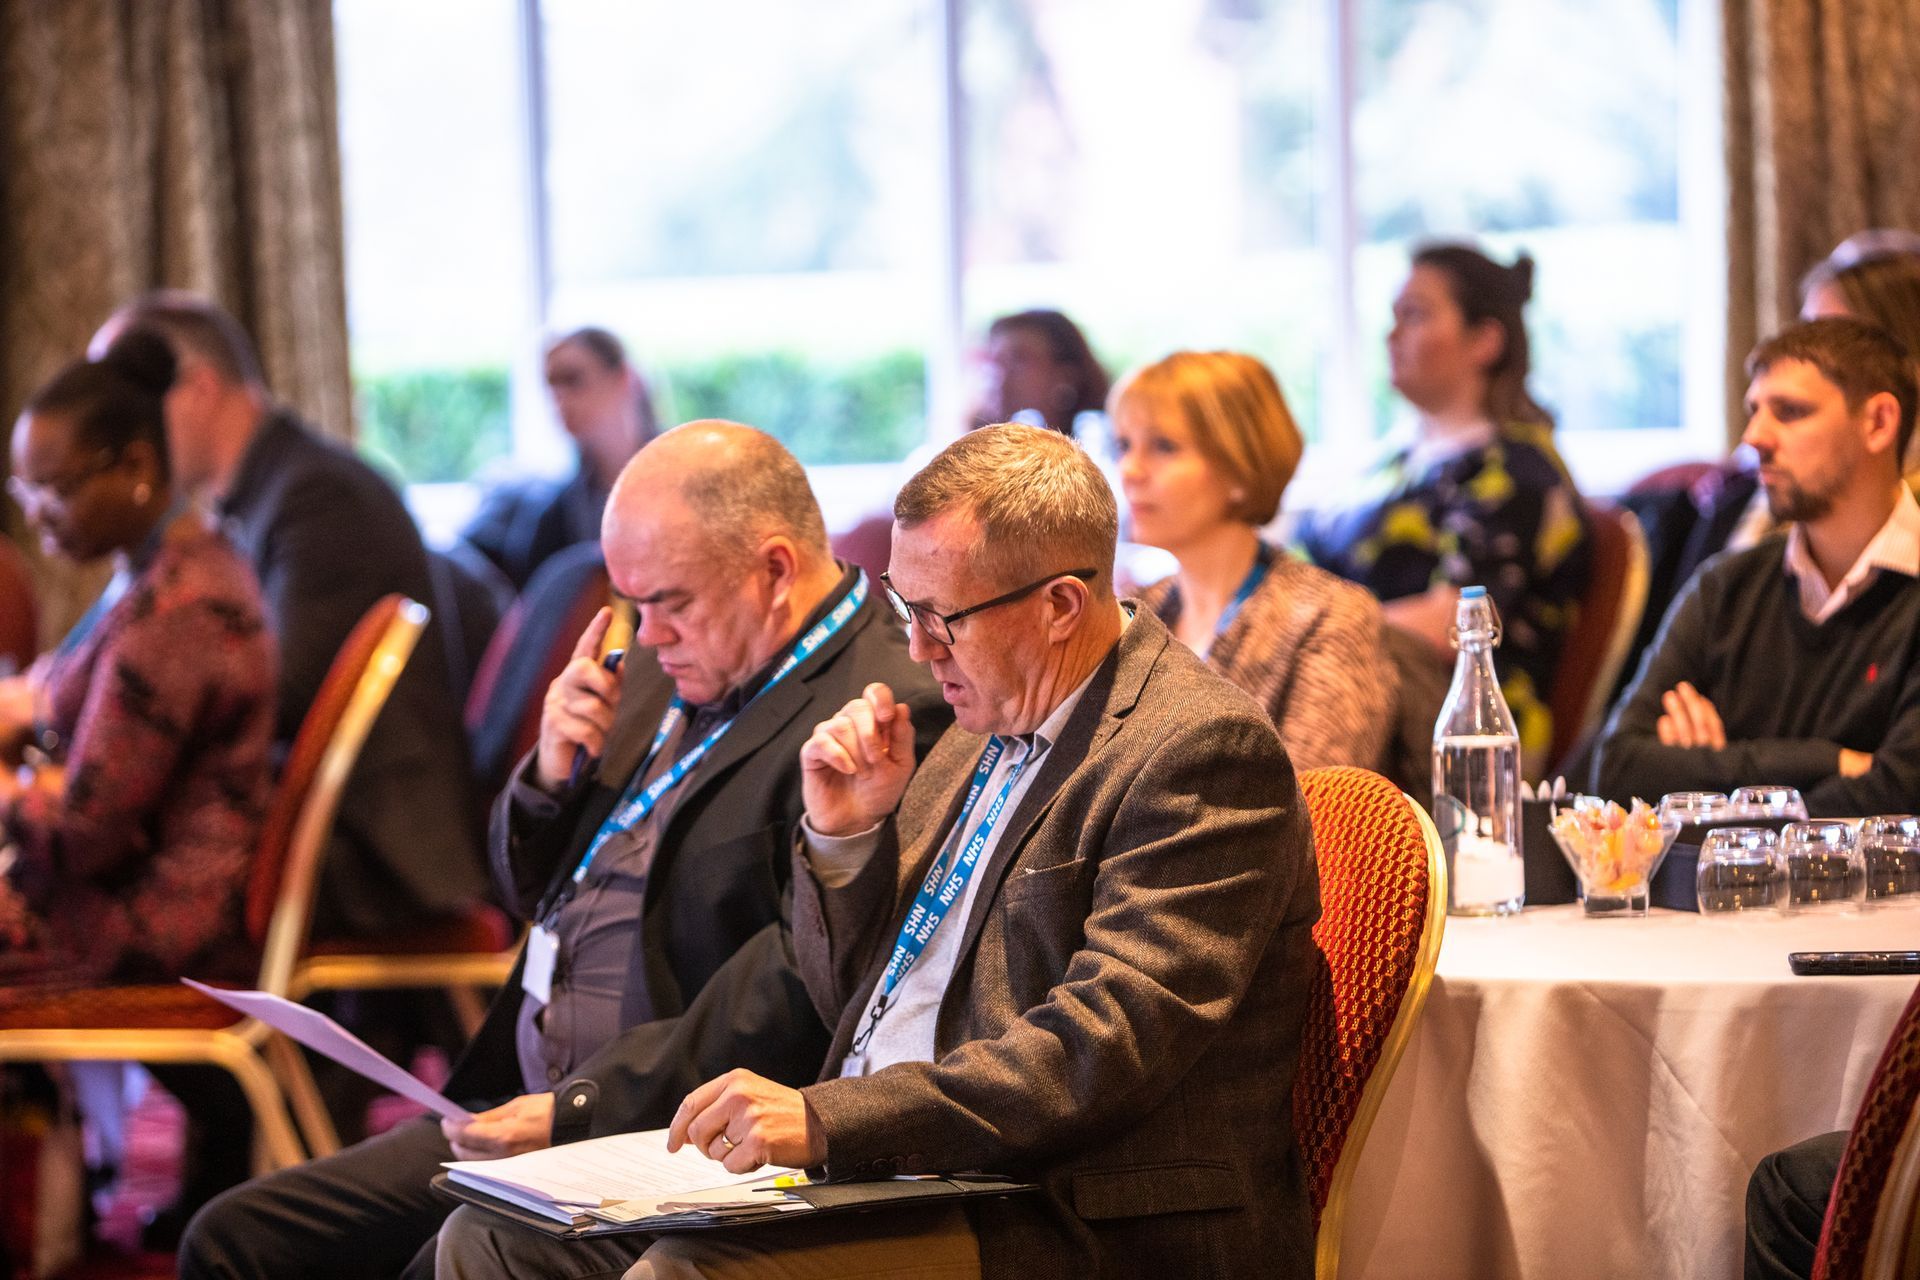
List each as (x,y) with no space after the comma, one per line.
(1587,1097)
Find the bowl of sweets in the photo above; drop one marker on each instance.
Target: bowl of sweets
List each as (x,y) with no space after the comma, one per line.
(1614,851)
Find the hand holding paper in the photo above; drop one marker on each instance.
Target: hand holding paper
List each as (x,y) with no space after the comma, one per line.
(513,1128)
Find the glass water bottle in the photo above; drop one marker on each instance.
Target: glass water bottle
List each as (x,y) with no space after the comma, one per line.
(1476,773)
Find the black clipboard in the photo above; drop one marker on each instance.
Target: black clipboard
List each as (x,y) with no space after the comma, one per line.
(820,1197)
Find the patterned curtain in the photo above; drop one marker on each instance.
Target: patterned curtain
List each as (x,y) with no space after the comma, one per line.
(1822,113)
(189,143)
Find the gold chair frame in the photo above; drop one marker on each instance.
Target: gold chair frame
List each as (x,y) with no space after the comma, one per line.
(1405,1023)
(245,1048)
(1893,1243)
(464,975)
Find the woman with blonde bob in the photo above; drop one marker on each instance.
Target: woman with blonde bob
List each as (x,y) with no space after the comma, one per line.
(1206,448)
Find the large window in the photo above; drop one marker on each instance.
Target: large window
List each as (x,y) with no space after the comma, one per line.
(745,192)
(803,216)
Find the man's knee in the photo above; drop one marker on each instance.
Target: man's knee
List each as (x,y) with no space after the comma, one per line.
(224,1239)
(1797,1180)
(467,1248)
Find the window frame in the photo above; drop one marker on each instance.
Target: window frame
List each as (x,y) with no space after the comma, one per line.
(1603,461)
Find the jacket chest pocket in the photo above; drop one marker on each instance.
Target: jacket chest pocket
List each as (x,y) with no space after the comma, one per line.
(1070,879)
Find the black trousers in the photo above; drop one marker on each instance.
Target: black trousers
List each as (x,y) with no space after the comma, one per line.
(366,1211)
(1786,1203)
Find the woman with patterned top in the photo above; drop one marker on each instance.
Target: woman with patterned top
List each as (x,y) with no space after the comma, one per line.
(1206,447)
(1480,496)
(151,721)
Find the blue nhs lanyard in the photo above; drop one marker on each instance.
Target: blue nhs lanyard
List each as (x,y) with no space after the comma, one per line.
(1262,565)
(634,808)
(944,884)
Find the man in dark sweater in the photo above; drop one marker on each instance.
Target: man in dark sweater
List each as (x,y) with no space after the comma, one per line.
(1797,662)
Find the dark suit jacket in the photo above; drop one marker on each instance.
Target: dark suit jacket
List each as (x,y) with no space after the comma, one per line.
(521,525)
(717,948)
(1124,1020)
(328,538)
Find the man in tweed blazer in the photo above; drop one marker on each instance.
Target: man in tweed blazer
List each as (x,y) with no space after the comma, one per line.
(1110,1003)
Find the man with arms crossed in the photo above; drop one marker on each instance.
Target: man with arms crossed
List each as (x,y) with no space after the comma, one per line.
(655,876)
(1797,661)
(1104,880)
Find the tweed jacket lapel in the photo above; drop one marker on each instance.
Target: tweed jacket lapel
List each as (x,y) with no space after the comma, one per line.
(1112,693)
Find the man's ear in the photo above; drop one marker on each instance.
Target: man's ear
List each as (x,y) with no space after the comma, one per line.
(1880,419)
(1070,599)
(779,562)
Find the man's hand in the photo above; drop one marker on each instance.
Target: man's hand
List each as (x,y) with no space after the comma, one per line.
(1689,719)
(524,1124)
(856,766)
(1854,764)
(578,713)
(745,1121)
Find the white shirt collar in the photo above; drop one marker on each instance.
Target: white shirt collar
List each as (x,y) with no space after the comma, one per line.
(1896,549)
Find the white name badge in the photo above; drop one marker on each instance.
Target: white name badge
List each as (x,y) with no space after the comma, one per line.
(543,950)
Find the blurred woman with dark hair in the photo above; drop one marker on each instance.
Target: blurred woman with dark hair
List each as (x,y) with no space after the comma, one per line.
(1481,495)
(1039,364)
(150,722)
(605,406)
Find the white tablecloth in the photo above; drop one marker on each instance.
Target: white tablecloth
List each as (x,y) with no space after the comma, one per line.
(1586,1098)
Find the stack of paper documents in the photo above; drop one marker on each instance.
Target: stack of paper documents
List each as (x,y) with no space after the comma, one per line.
(623,1178)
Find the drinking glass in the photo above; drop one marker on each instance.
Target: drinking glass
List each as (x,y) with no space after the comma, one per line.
(1768,802)
(1696,808)
(1824,866)
(1890,851)
(1740,870)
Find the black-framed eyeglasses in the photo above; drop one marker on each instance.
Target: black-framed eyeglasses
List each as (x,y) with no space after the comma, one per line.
(939,626)
(27,493)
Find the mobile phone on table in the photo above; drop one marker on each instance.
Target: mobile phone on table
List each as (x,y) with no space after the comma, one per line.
(1847,963)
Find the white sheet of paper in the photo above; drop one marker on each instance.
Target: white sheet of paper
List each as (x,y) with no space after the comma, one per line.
(618,1167)
(323,1035)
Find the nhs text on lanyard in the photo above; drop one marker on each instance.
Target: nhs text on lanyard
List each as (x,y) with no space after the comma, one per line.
(944,884)
(543,943)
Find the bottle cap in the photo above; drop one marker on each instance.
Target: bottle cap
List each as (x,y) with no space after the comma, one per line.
(1472,593)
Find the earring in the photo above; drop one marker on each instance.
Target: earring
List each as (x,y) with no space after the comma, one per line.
(142,494)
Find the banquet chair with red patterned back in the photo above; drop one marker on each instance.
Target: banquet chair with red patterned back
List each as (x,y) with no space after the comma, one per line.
(173,1023)
(1875,1208)
(468,954)
(1595,647)
(1383,905)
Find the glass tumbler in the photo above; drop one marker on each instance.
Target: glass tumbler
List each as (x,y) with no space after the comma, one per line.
(1824,866)
(1768,802)
(1740,870)
(1890,852)
(1696,808)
